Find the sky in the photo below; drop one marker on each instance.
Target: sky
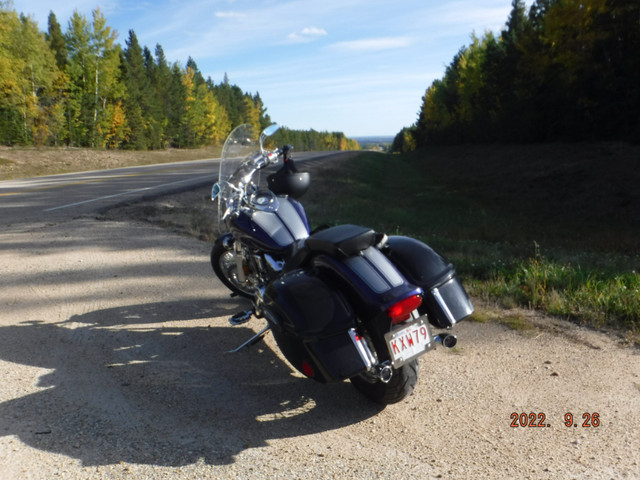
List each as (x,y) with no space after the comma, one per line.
(356,66)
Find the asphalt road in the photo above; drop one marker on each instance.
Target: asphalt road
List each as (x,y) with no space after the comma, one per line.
(58,197)
(55,197)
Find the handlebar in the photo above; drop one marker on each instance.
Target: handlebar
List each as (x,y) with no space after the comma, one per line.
(272,157)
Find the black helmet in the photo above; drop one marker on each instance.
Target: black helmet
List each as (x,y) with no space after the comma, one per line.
(286,183)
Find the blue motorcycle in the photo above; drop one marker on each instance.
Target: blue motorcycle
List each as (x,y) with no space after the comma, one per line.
(343,302)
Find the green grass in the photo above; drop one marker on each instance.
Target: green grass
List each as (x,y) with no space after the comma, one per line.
(508,246)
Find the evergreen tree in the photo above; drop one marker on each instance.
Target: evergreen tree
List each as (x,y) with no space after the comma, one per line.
(56,41)
(177,127)
(160,76)
(136,102)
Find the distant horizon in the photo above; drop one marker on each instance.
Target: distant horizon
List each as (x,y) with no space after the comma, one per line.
(372,137)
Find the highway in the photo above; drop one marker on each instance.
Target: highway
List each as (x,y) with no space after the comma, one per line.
(58,197)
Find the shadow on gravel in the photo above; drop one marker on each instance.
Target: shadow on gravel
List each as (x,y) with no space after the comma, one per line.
(161,395)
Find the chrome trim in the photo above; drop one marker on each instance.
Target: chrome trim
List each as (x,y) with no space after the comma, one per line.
(253,340)
(385,372)
(276,265)
(446,340)
(363,349)
(443,305)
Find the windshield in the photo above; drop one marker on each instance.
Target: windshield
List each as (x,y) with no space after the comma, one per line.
(238,155)
(243,156)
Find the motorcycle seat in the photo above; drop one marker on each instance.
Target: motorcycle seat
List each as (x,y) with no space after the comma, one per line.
(343,240)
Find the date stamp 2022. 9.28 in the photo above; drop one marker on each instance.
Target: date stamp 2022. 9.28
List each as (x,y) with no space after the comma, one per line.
(540,419)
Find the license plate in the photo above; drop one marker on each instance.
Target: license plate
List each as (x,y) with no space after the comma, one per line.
(408,342)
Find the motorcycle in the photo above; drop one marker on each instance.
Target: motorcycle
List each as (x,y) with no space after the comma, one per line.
(343,302)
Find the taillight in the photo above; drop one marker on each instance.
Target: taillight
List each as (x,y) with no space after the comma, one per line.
(307,369)
(401,311)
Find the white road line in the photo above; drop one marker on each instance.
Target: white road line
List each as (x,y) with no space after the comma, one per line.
(123,193)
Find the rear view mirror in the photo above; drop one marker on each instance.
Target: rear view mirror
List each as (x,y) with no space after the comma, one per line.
(215,191)
(270,130)
(267,132)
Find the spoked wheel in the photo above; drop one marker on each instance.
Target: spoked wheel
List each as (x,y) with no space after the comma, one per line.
(223,261)
(400,386)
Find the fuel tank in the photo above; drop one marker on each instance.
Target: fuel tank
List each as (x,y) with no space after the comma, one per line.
(272,224)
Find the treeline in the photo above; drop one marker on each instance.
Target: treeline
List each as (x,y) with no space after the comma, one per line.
(80,88)
(564,70)
(309,140)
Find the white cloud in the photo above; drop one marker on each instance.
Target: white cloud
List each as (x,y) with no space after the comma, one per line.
(314,31)
(307,34)
(373,44)
(230,15)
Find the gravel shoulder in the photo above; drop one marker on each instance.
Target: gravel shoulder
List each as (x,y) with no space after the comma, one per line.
(112,341)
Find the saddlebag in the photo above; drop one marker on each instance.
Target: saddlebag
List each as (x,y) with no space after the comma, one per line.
(311,323)
(445,300)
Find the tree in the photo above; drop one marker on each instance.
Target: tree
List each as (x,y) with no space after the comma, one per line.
(56,41)
(566,70)
(404,141)
(81,88)
(28,74)
(93,69)
(136,102)
(109,89)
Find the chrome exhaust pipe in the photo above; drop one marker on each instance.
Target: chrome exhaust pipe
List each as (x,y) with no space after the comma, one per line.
(446,340)
(385,372)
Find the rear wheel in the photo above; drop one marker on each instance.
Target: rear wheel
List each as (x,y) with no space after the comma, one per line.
(223,261)
(400,386)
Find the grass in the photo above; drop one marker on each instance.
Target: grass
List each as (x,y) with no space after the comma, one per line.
(496,223)
(24,162)
(515,321)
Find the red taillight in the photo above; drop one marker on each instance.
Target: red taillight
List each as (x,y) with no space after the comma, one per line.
(401,311)
(307,369)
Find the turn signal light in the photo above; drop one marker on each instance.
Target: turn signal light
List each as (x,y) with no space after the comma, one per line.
(401,311)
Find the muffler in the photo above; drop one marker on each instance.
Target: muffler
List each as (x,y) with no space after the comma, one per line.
(446,340)
(385,372)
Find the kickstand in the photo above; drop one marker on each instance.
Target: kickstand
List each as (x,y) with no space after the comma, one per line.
(252,341)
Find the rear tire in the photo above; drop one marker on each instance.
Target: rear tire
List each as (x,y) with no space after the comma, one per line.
(224,265)
(400,386)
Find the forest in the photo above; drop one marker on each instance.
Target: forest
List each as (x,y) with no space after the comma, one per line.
(565,70)
(80,88)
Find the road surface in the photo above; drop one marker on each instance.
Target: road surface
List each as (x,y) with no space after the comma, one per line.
(58,197)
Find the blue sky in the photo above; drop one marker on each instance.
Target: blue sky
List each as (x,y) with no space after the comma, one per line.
(356,66)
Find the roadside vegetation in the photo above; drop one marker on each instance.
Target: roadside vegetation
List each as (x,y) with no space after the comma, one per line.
(25,162)
(569,249)
(81,88)
(563,70)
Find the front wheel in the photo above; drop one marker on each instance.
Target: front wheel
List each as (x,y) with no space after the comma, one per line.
(223,261)
(400,386)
